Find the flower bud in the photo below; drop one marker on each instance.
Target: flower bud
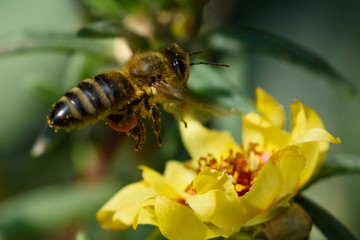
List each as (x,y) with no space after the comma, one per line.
(293,223)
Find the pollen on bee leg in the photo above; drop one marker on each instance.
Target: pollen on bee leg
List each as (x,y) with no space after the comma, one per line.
(124,125)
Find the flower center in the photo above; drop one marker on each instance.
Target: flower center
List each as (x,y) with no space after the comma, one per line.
(241,167)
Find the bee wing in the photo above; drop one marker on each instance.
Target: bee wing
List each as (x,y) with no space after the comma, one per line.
(190,102)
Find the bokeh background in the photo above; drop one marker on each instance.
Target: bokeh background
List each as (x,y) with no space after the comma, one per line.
(55,194)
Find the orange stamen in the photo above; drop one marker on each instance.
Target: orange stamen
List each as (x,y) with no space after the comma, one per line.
(238,165)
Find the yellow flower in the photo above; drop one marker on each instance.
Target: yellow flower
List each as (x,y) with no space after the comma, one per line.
(226,186)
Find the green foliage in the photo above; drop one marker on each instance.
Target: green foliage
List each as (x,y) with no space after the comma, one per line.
(155,235)
(341,164)
(105,9)
(66,160)
(328,224)
(32,41)
(332,228)
(104,29)
(45,209)
(256,41)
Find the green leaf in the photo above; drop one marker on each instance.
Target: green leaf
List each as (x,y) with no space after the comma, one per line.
(111,29)
(263,42)
(102,29)
(155,235)
(61,42)
(49,208)
(105,8)
(117,9)
(341,164)
(327,223)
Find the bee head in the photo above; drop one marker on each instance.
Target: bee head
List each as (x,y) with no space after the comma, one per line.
(179,61)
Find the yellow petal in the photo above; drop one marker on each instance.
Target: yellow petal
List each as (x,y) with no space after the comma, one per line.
(303,118)
(178,222)
(265,190)
(297,119)
(289,163)
(256,129)
(217,202)
(314,144)
(210,179)
(227,213)
(145,214)
(267,215)
(314,156)
(316,135)
(309,134)
(276,180)
(178,175)
(313,119)
(220,209)
(119,212)
(156,181)
(270,108)
(200,141)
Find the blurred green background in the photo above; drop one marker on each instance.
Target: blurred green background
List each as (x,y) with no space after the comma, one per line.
(56,195)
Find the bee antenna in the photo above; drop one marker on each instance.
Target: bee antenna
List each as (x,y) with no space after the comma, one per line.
(210,63)
(195,52)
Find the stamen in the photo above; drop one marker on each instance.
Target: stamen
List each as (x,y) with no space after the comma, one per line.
(182,201)
(241,167)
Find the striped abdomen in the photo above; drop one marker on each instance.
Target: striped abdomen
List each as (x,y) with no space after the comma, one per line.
(91,100)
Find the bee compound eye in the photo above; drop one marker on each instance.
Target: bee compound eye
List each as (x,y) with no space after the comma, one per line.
(179,66)
(176,63)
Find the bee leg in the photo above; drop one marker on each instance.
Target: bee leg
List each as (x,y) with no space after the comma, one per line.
(131,125)
(138,133)
(156,118)
(122,123)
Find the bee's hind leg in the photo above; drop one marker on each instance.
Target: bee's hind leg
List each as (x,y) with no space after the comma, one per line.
(138,133)
(155,115)
(131,125)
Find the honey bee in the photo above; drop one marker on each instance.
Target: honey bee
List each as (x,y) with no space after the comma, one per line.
(125,96)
